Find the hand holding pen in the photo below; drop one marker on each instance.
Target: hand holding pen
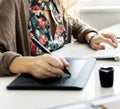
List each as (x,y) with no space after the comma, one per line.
(38,44)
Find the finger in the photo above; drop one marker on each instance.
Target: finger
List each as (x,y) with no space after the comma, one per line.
(64,61)
(106,40)
(54,70)
(44,71)
(98,47)
(45,74)
(56,62)
(49,71)
(110,38)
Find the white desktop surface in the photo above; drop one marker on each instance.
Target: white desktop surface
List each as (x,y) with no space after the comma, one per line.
(45,99)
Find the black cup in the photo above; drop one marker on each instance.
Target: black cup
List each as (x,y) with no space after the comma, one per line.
(106,76)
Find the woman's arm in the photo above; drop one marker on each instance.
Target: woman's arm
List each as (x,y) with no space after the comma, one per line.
(80,29)
(85,33)
(13,32)
(43,66)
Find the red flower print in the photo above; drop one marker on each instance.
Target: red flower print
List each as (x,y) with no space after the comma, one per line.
(42,22)
(34,8)
(33,47)
(60,30)
(31,7)
(42,39)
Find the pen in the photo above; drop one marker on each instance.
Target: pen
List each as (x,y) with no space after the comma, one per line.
(44,49)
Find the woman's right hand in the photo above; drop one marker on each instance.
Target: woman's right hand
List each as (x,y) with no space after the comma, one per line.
(45,66)
(42,66)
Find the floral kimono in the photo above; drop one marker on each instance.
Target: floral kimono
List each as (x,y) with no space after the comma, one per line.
(40,27)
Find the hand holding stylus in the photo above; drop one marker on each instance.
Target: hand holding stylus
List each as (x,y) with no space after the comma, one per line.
(38,44)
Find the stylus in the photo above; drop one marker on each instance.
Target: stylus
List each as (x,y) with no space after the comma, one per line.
(44,49)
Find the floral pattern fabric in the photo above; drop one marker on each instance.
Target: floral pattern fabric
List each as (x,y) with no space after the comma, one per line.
(40,27)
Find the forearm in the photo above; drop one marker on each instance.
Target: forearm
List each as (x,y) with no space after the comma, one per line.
(81,30)
(42,66)
(21,65)
(5,60)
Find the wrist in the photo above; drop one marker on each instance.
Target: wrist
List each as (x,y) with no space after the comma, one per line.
(90,36)
(20,65)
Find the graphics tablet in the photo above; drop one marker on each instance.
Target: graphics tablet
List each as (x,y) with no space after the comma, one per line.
(80,69)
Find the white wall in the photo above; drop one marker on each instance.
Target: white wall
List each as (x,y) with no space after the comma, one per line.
(101,19)
(100,13)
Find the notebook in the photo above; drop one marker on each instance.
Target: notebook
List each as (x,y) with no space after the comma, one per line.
(80,69)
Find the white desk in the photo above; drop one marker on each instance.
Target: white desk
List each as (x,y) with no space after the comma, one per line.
(45,99)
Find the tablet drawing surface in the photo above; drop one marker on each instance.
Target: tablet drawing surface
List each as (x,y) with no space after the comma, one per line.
(80,69)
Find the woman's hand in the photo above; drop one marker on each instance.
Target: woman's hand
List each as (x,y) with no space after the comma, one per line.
(42,66)
(108,38)
(45,66)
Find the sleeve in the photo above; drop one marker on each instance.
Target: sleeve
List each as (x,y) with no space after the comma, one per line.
(80,29)
(7,36)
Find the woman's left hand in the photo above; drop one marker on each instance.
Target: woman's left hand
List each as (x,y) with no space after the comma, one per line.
(108,38)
